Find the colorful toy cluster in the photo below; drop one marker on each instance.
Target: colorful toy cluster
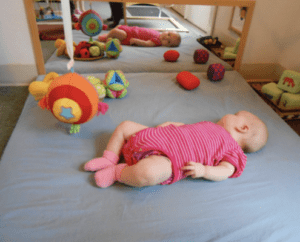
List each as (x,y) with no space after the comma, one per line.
(285,93)
(90,50)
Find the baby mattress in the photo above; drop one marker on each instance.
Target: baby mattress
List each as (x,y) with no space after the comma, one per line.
(138,59)
(46,196)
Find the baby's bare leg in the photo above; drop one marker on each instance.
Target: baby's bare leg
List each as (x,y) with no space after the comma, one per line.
(149,171)
(114,33)
(117,33)
(121,133)
(113,149)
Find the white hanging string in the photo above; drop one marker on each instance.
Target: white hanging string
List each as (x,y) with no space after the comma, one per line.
(65,5)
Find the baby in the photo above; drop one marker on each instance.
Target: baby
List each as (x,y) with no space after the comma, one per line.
(138,36)
(172,151)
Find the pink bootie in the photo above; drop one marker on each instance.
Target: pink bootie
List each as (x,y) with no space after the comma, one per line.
(106,177)
(109,158)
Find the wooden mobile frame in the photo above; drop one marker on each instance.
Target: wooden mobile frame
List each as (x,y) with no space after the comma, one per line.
(249,4)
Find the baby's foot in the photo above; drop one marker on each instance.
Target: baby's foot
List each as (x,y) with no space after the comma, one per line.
(106,177)
(108,159)
(102,38)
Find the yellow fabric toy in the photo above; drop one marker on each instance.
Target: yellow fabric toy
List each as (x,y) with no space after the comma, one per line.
(39,89)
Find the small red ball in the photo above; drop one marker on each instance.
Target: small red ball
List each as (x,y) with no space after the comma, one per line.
(84,53)
(171,55)
(187,80)
(201,56)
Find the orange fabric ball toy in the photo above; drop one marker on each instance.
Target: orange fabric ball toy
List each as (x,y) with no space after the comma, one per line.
(171,55)
(187,80)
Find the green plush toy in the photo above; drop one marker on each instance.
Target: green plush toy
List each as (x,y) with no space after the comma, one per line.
(98,85)
(287,92)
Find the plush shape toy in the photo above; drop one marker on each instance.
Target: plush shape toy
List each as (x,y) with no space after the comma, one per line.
(201,56)
(290,81)
(216,72)
(187,80)
(113,48)
(171,55)
(38,89)
(98,85)
(115,84)
(101,46)
(72,99)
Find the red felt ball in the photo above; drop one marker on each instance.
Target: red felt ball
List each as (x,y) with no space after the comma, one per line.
(201,56)
(187,80)
(171,55)
(84,53)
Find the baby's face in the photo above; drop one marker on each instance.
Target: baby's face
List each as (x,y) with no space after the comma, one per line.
(169,38)
(230,121)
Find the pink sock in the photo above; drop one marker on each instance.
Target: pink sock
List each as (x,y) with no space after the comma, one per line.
(109,158)
(102,38)
(106,177)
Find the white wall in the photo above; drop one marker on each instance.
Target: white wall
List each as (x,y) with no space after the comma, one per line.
(16,46)
(274,36)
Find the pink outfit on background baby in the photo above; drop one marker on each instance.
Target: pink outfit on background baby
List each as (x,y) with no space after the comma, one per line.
(203,142)
(140,33)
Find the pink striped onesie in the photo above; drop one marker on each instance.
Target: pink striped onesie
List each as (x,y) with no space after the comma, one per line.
(203,142)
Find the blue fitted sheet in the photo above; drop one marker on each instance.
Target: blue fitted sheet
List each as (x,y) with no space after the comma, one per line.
(46,196)
(138,59)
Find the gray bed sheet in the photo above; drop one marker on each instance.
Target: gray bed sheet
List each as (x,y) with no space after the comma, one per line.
(46,196)
(137,59)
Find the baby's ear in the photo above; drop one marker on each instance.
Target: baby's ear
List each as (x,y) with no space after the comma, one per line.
(242,128)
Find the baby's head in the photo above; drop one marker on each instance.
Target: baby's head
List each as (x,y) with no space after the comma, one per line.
(170,39)
(247,129)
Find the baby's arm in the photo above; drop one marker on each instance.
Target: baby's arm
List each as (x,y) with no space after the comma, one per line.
(143,43)
(213,173)
(168,123)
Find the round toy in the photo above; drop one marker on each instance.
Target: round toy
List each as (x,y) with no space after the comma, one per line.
(113,48)
(115,84)
(201,56)
(187,80)
(72,99)
(171,55)
(90,23)
(215,72)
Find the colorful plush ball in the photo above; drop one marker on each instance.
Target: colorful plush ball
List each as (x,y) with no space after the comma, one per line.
(171,55)
(187,80)
(71,98)
(90,23)
(216,72)
(201,56)
(113,48)
(115,84)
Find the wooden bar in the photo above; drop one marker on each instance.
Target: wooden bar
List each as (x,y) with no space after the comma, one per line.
(250,4)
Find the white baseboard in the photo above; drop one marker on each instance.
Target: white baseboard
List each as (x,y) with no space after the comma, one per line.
(261,71)
(17,75)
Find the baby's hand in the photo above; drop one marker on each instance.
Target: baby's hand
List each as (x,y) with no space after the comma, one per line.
(193,169)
